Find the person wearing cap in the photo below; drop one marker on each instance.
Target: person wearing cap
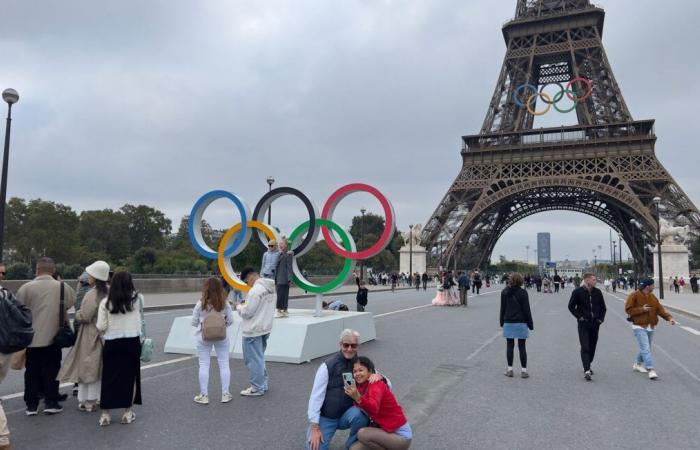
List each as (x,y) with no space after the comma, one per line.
(269,260)
(83,364)
(42,296)
(644,310)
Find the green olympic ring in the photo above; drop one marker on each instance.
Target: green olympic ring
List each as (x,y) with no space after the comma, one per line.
(349,265)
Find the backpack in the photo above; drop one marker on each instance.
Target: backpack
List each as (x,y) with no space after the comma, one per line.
(214,326)
(16,332)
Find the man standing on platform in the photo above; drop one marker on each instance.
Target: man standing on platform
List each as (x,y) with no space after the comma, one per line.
(588,306)
(269,260)
(283,278)
(257,313)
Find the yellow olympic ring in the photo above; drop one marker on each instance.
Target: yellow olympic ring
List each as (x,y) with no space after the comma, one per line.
(547,99)
(225,266)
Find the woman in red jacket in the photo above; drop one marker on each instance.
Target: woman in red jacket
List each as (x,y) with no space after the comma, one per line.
(391,430)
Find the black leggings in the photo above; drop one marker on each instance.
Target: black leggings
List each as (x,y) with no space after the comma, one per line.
(510,345)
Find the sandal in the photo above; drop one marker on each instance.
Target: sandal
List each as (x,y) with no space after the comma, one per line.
(105,420)
(128,417)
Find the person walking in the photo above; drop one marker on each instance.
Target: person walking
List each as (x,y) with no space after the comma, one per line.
(120,320)
(283,278)
(644,310)
(587,305)
(424,279)
(212,315)
(269,260)
(83,364)
(43,359)
(463,282)
(361,297)
(476,281)
(258,314)
(391,430)
(694,283)
(557,282)
(516,321)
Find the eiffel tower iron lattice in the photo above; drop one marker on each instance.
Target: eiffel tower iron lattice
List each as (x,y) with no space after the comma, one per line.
(605,166)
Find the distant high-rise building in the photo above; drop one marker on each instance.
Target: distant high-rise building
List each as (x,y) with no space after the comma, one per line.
(544,249)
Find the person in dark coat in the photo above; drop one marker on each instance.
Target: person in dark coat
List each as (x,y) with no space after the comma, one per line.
(283,278)
(516,320)
(424,279)
(588,306)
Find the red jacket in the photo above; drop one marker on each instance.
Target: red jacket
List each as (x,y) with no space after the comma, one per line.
(381,406)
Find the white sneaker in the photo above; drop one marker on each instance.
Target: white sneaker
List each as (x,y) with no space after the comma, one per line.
(251,392)
(639,368)
(279,315)
(652,374)
(226,397)
(201,399)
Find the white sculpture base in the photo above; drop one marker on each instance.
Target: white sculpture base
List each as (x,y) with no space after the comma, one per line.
(299,338)
(418,260)
(674,258)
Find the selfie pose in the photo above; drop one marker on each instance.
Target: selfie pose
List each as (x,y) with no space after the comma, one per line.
(391,431)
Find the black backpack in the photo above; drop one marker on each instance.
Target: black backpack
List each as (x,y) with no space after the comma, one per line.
(16,332)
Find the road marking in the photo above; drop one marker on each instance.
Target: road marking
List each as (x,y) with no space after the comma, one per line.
(148,366)
(690,330)
(420,307)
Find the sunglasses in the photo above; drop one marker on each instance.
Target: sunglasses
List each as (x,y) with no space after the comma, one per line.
(352,346)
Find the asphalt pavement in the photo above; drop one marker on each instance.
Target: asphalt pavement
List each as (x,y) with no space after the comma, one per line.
(446,365)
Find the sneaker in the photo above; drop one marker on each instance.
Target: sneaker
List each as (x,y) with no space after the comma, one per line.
(201,399)
(251,392)
(286,313)
(509,373)
(591,371)
(524,375)
(53,409)
(279,315)
(652,374)
(639,368)
(31,411)
(587,375)
(62,397)
(226,397)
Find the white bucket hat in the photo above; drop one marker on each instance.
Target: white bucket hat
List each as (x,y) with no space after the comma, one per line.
(99,270)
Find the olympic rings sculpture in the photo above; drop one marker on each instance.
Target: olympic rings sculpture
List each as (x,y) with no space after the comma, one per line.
(301,240)
(549,101)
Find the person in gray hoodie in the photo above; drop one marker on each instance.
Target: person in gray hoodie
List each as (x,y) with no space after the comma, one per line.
(257,313)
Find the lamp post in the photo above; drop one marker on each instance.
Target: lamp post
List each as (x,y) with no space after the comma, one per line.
(614,254)
(410,250)
(527,254)
(619,246)
(657,202)
(362,243)
(270,180)
(11,97)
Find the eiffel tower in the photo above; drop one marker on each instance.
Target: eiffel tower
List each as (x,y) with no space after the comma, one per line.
(604,167)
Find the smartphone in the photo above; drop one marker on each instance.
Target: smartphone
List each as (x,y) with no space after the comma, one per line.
(349,380)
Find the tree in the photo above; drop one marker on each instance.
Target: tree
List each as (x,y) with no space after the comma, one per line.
(373,227)
(144,260)
(147,227)
(106,232)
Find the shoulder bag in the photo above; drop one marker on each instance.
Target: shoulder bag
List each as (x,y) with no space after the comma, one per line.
(65,337)
(147,344)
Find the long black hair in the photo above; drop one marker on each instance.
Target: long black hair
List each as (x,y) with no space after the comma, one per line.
(121,293)
(101,288)
(365,362)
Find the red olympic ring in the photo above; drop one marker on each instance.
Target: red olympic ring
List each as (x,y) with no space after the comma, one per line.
(389,226)
(574,97)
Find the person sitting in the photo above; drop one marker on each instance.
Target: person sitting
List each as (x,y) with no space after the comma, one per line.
(379,403)
(335,306)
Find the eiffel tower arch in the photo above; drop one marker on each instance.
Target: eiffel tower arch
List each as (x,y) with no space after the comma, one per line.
(605,166)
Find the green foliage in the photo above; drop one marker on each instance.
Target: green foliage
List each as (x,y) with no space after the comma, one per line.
(105,232)
(19,271)
(366,233)
(147,227)
(504,266)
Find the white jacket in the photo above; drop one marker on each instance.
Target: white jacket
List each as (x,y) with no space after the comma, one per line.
(258,311)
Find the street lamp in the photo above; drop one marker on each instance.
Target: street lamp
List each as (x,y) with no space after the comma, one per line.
(657,202)
(619,238)
(614,254)
(270,180)
(362,242)
(11,97)
(410,250)
(527,254)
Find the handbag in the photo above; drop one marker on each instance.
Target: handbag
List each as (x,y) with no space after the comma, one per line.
(65,337)
(147,344)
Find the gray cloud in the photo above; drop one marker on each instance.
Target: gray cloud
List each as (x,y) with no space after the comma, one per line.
(157,102)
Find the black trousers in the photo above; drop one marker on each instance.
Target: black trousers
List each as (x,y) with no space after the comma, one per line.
(42,366)
(522,350)
(556,287)
(282,296)
(425,285)
(694,288)
(588,337)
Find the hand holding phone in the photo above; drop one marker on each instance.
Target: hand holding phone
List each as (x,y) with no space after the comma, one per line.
(348,378)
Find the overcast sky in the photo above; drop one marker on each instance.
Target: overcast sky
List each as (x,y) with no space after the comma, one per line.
(157,102)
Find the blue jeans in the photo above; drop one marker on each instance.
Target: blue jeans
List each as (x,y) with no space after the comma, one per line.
(353,418)
(644,340)
(254,358)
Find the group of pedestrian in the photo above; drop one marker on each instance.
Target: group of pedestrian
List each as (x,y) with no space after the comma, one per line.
(587,305)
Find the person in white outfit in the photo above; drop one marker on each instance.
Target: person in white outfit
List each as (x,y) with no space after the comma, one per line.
(212,316)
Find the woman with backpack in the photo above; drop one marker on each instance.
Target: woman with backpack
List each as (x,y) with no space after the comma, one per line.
(83,364)
(516,320)
(120,320)
(212,315)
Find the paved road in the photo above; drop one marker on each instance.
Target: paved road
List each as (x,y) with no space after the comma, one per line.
(446,366)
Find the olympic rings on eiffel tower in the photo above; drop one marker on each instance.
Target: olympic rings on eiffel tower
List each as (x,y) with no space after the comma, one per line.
(531,94)
(302,239)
